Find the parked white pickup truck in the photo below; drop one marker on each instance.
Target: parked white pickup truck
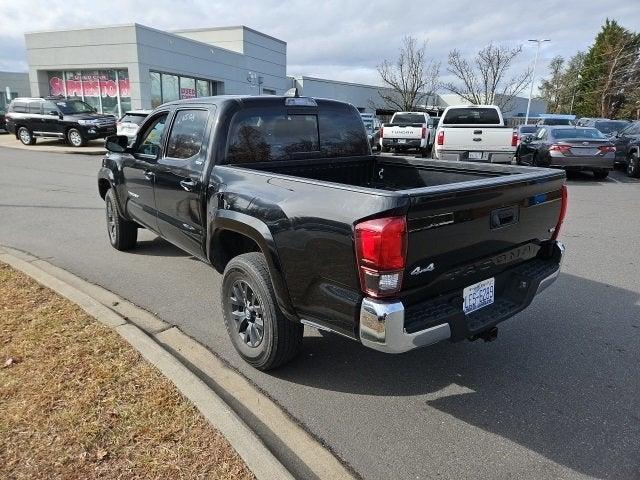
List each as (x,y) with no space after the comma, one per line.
(474,133)
(406,130)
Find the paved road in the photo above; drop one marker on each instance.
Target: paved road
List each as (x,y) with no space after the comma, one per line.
(556,396)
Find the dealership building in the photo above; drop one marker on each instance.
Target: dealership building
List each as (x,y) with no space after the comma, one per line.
(118,68)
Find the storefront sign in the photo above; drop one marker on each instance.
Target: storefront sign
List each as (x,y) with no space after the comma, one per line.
(89,86)
(187,92)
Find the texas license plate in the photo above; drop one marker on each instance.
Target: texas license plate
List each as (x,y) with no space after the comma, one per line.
(475,155)
(478,295)
(402,140)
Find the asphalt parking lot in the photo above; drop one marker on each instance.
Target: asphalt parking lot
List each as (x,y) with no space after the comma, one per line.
(554,397)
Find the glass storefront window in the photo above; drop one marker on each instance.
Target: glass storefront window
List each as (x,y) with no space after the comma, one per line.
(156,89)
(203,88)
(187,87)
(105,90)
(169,88)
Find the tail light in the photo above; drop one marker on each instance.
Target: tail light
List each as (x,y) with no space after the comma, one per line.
(424,132)
(514,139)
(563,212)
(381,132)
(440,139)
(381,251)
(606,148)
(560,148)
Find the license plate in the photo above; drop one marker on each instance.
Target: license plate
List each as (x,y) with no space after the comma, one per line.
(478,295)
(475,155)
(402,140)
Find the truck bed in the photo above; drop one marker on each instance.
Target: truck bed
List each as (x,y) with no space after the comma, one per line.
(383,173)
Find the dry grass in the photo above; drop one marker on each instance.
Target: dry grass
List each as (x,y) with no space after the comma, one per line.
(78,402)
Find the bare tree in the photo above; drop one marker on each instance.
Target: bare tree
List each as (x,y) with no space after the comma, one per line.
(486,78)
(410,79)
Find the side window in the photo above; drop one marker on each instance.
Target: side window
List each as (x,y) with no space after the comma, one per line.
(187,133)
(35,107)
(152,136)
(48,107)
(20,107)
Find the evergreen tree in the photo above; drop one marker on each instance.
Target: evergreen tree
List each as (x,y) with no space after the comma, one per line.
(610,72)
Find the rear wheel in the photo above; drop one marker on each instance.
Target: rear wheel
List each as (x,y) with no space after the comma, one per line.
(75,137)
(633,166)
(123,234)
(601,174)
(386,149)
(25,136)
(259,331)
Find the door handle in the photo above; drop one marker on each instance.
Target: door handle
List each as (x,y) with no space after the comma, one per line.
(148,174)
(188,185)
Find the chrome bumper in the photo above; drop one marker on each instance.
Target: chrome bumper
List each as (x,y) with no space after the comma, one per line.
(382,323)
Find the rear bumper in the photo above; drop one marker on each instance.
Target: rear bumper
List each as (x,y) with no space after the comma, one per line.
(564,161)
(409,143)
(391,328)
(487,156)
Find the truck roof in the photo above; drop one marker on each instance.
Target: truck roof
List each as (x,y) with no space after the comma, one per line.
(254,100)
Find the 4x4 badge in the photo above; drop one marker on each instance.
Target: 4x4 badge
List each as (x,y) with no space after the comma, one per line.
(429,268)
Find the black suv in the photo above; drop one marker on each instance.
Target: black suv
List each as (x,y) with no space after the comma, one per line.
(627,143)
(72,120)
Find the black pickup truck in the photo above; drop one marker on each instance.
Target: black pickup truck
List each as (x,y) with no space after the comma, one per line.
(283,196)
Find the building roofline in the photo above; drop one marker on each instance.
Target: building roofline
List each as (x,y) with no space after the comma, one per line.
(97,27)
(233,27)
(340,82)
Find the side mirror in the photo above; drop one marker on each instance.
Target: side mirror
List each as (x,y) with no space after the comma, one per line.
(54,113)
(116,143)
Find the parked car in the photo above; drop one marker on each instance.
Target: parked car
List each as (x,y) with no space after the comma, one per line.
(406,130)
(584,120)
(551,119)
(372,126)
(627,144)
(3,120)
(570,148)
(606,126)
(283,197)
(72,120)
(474,133)
(432,125)
(130,122)
(522,131)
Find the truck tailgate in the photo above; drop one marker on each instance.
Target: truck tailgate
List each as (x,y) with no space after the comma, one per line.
(478,229)
(479,138)
(403,131)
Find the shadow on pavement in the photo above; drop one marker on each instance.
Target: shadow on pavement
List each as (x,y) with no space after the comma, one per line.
(561,379)
(158,247)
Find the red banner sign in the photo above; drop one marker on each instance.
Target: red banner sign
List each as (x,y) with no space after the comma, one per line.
(187,92)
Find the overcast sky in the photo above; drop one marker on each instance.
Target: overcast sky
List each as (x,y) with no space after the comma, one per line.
(341,40)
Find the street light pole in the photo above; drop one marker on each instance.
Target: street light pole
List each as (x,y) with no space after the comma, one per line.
(533,77)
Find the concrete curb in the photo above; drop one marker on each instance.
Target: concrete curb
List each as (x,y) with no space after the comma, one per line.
(249,446)
(6,141)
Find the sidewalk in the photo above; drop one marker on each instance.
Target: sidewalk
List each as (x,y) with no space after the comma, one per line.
(52,145)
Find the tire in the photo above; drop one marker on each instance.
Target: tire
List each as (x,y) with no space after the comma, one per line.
(25,136)
(123,234)
(633,166)
(600,174)
(248,300)
(386,149)
(424,152)
(75,138)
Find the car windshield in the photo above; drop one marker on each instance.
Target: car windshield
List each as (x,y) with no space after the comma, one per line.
(564,133)
(133,118)
(557,121)
(69,107)
(611,126)
(408,118)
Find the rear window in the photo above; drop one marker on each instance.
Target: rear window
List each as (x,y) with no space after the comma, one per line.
(472,116)
(20,107)
(557,121)
(133,118)
(528,129)
(262,136)
(611,126)
(564,133)
(408,118)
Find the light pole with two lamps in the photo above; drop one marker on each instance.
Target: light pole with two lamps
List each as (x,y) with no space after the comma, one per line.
(533,77)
